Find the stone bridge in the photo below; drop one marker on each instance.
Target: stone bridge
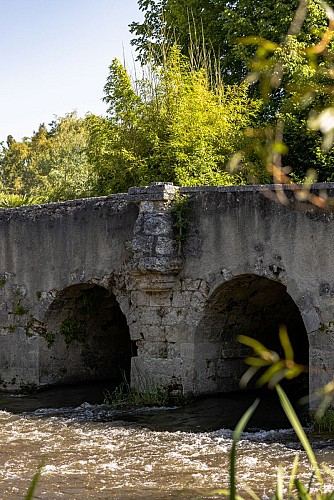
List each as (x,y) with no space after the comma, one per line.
(93,288)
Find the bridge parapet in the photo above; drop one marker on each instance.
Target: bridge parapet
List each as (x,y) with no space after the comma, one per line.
(153,244)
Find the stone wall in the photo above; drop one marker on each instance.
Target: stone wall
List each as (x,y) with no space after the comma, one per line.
(168,311)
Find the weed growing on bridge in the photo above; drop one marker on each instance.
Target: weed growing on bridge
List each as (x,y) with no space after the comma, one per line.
(33,327)
(19,309)
(72,329)
(180,210)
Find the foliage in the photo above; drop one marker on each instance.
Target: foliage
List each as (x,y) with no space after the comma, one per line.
(169,126)
(217,26)
(275,370)
(52,165)
(325,423)
(180,211)
(72,330)
(123,396)
(19,309)
(17,200)
(35,480)
(275,45)
(299,72)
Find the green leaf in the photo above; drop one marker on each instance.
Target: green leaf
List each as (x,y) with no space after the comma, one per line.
(277,368)
(293,475)
(280,485)
(254,344)
(236,436)
(291,414)
(35,481)
(285,342)
(302,490)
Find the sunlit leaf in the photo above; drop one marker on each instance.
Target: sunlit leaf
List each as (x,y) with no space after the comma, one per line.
(254,344)
(257,40)
(285,342)
(293,474)
(277,368)
(291,414)
(236,436)
(259,362)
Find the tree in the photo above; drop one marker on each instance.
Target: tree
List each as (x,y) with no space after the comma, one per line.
(219,26)
(169,126)
(250,39)
(51,165)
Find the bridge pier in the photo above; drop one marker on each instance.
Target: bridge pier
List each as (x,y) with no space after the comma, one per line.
(154,270)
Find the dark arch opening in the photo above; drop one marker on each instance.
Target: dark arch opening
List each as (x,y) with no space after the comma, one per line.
(87,338)
(248,305)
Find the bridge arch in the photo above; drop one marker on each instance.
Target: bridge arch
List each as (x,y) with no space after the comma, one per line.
(87,338)
(251,305)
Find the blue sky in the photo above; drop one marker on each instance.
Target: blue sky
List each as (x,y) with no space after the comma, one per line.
(55,56)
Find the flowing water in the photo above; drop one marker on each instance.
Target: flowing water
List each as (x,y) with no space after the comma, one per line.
(91,452)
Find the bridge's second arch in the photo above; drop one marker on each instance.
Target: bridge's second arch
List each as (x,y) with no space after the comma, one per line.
(249,305)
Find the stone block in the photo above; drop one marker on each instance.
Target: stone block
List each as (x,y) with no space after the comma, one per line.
(321,340)
(173,316)
(158,299)
(173,350)
(153,349)
(143,244)
(135,330)
(150,316)
(153,333)
(139,299)
(158,224)
(187,351)
(172,333)
(311,320)
(180,299)
(154,370)
(165,246)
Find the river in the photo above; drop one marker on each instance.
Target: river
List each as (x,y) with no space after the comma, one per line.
(91,452)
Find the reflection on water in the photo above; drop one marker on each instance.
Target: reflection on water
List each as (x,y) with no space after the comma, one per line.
(94,453)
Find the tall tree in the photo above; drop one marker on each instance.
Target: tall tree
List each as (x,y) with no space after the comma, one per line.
(218,26)
(265,41)
(169,126)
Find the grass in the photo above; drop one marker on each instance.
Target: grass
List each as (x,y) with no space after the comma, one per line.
(148,394)
(324,423)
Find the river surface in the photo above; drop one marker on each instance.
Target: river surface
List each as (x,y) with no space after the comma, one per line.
(92,452)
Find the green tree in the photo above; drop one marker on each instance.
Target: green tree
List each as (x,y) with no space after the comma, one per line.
(218,26)
(51,165)
(171,125)
(267,44)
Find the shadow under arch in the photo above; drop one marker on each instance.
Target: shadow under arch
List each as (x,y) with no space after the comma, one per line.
(249,305)
(87,338)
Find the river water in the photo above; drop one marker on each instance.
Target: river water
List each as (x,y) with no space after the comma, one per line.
(91,452)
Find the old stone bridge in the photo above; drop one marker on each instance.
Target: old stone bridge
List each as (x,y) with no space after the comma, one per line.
(95,287)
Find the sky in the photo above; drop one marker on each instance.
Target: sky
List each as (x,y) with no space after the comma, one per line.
(54,58)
